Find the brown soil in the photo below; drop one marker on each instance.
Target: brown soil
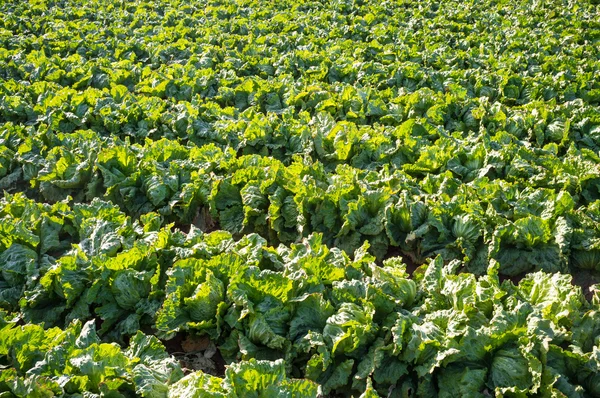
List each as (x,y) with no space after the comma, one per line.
(202,221)
(585,279)
(196,353)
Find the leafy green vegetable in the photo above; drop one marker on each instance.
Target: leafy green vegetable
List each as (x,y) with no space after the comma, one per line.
(330,193)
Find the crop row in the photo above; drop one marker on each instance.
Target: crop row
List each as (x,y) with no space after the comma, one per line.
(526,222)
(344,323)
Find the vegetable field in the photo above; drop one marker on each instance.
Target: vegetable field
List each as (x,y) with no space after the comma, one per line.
(252,198)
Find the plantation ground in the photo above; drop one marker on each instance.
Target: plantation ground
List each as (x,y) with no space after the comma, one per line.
(346,198)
